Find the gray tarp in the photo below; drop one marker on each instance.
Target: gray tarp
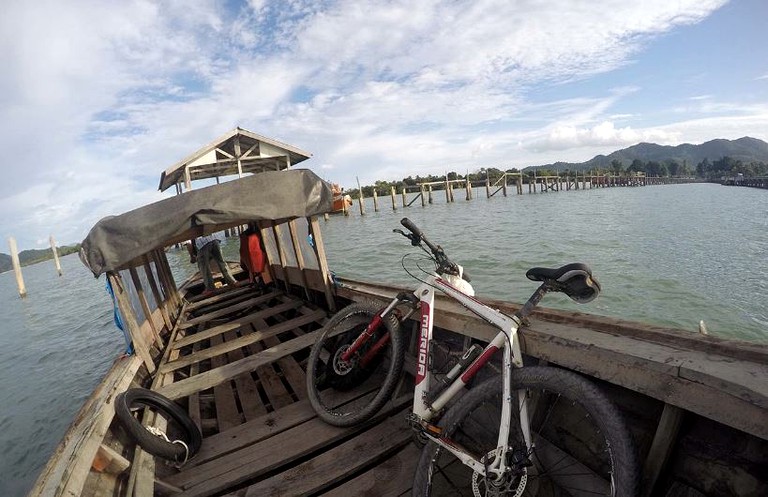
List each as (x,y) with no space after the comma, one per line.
(280,195)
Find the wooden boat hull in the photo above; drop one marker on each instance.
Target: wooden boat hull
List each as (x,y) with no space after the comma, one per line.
(698,428)
(341,203)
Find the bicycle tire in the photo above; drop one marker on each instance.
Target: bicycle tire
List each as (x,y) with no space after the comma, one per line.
(324,385)
(550,383)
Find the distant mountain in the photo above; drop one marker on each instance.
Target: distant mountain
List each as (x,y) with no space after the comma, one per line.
(33,256)
(745,149)
(5,263)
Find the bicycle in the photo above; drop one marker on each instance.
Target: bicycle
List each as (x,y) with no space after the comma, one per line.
(533,443)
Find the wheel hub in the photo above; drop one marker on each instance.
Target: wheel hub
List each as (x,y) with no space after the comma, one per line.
(510,484)
(340,366)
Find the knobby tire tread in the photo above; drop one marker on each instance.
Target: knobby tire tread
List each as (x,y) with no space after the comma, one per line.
(575,387)
(390,382)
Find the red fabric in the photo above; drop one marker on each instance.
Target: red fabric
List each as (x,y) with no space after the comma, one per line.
(252,255)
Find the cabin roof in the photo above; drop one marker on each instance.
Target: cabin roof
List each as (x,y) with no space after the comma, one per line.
(118,242)
(256,154)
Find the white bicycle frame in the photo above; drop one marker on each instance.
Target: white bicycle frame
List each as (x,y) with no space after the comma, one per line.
(424,412)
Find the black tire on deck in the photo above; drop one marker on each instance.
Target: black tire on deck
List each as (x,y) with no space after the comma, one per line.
(463,420)
(381,374)
(155,445)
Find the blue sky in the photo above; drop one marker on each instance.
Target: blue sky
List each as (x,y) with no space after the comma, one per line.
(97,98)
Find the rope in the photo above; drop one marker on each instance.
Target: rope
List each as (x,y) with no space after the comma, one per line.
(160,433)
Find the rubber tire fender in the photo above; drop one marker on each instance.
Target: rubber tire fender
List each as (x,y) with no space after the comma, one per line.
(153,444)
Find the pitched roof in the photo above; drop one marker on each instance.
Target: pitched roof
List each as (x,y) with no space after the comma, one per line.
(220,158)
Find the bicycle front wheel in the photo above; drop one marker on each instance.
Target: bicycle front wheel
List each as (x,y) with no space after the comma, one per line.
(347,393)
(581,445)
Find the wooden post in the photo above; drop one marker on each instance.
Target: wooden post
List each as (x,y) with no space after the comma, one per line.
(405,199)
(450,191)
(55,255)
(145,306)
(292,229)
(394,205)
(156,293)
(322,263)
(17,267)
(447,190)
(326,216)
(167,282)
(187,179)
(661,447)
(430,194)
(360,197)
(237,156)
(423,200)
(277,232)
(129,321)
(468,188)
(375,201)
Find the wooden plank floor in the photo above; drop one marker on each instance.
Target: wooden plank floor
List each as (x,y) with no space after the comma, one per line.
(241,372)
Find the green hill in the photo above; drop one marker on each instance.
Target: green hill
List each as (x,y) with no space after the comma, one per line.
(33,256)
(744,149)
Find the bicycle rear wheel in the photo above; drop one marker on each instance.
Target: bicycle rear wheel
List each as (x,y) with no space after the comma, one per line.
(347,393)
(581,445)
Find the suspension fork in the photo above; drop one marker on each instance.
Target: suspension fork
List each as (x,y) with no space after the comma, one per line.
(371,329)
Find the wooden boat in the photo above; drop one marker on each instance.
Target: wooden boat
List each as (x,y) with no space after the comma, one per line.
(697,405)
(341,202)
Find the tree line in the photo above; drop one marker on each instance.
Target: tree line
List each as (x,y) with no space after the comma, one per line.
(33,256)
(725,166)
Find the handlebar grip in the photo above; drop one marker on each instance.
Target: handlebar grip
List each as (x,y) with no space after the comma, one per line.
(411,227)
(418,234)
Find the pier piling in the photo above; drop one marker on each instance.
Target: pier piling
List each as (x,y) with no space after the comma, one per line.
(360,197)
(17,267)
(55,255)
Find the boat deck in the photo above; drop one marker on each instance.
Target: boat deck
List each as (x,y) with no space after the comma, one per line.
(237,361)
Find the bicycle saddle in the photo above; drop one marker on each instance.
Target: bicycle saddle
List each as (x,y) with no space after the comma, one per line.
(575,280)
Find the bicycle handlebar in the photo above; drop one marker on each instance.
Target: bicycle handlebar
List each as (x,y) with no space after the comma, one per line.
(443,261)
(408,224)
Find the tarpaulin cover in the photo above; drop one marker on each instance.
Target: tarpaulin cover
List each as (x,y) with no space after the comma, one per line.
(276,195)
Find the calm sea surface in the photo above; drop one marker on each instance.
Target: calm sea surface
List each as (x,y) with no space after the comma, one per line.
(669,255)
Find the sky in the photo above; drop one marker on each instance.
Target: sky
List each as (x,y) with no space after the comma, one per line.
(97,97)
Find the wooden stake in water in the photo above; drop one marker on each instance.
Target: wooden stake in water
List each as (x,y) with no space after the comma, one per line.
(360,197)
(55,255)
(17,267)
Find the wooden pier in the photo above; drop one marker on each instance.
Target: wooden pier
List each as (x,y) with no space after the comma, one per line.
(424,193)
(758,182)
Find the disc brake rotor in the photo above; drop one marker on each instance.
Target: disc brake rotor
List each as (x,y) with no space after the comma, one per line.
(504,488)
(340,366)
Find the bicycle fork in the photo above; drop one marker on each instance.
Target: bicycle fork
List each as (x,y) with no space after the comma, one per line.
(371,330)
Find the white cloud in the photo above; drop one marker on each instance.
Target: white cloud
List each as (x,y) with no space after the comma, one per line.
(605,134)
(114,93)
